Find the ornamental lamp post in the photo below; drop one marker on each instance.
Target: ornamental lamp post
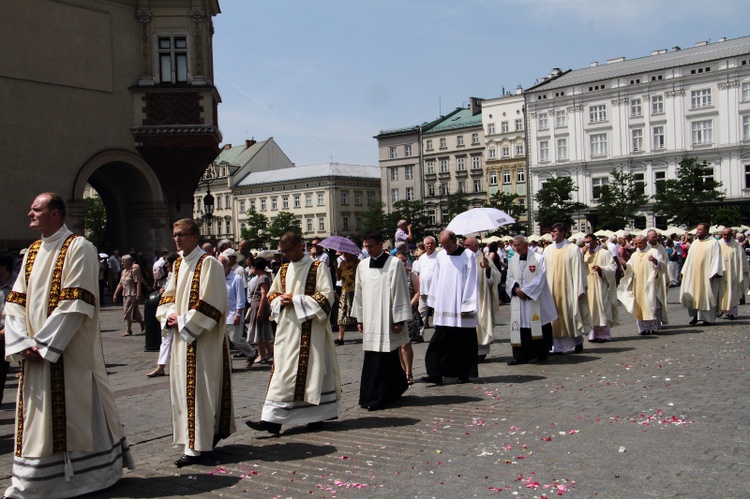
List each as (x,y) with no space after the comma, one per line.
(208,208)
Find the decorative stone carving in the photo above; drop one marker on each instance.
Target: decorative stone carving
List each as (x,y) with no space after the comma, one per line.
(144,17)
(620,102)
(675,93)
(199,18)
(729,84)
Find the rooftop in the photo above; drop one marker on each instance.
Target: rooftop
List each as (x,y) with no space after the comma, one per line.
(239,155)
(461,118)
(659,60)
(311,172)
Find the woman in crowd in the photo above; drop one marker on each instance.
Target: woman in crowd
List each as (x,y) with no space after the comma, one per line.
(130,287)
(415,324)
(346,273)
(166,341)
(260,330)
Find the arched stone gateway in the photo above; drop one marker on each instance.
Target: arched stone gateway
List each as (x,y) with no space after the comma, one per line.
(137,213)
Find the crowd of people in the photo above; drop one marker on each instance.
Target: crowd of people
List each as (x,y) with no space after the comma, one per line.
(282,307)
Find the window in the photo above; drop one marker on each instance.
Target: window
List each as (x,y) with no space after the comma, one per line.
(461,163)
(657,104)
(745,91)
(506,177)
(544,150)
(598,145)
(460,141)
(700,98)
(659,178)
(476,163)
(345,222)
(637,139)
(746,127)
(504,127)
(321,199)
(428,144)
(394,195)
(410,193)
(709,176)
(491,153)
(370,197)
(519,149)
(462,186)
(505,151)
(251,204)
(442,143)
(344,198)
(173,59)
(562,149)
(543,122)
(358,222)
(561,119)
(431,190)
(521,176)
(407,150)
(474,138)
(598,113)
(444,189)
(321,224)
(430,167)
(309,224)
(477,185)
(658,137)
(285,202)
(519,125)
(409,172)
(357,198)
(703,132)
(443,166)
(639,183)
(242,207)
(490,129)
(636,108)
(227,203)
(597,184)
(433,217)
(493,178)
(394,174)
(218,202)
(747,176)
(297,203)
(393,152)
(263,204)
(274,204)
(308,200)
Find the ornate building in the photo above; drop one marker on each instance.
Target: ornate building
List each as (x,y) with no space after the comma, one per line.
(118,94)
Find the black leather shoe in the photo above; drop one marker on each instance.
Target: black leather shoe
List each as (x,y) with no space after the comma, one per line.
(338,342)
(579,348)
(437,380)
(694,321)
(316,425)
(518,362)
(187,461)
(273,428)
(461,381)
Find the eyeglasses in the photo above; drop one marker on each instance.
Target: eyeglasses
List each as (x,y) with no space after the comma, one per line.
(180,235)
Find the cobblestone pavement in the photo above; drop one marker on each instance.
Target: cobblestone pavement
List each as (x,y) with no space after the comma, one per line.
(651,416)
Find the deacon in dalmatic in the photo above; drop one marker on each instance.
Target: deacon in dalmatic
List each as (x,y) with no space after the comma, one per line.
(665,278)
(532,308)
(601,270)
(639,289)
(488,304)
(736,279)
(382,306)
(700,277)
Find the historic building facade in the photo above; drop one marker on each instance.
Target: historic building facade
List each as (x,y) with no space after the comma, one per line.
(645,115)
(121,97)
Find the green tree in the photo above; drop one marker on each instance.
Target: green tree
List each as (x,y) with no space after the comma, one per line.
(283,222)
(374,218)
(619,201)
(508,203)
(456,203)
(691,197)
(555,202)
(413,212)
(255,222)
(95,221)
(727,216)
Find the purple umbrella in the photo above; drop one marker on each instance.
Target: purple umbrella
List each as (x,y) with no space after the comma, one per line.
(340,244)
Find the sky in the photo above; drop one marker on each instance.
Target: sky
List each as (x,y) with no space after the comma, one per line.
(323,77)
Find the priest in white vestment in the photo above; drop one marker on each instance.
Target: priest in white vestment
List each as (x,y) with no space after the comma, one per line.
(424,267)
(652,237)
(567,282)
(488,298)
(193,307)
(639,289)
(382,307)
(601,277)
(305,386)
(452,294)
(69,440)
(532,308)
(700,276)
(735,281)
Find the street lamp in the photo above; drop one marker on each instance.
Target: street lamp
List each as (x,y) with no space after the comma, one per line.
(208,200)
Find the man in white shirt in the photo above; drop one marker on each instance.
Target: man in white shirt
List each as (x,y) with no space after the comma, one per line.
(424,267)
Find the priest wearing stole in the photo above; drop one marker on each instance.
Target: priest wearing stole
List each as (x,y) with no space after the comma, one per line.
(488,305)
(69,440)
(665,278)
(192,307)
(566,277)
(305,387)
(735,281)
(452,294)
(700,276)
(639,289)
(601,270)
(382,306)
(532,308)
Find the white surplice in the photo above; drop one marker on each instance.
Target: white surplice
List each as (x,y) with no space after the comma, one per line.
(734,283)
(453,290)
(699,293)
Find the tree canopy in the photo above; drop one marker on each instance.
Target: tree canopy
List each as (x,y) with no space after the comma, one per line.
(255,222)
(555,202)
(508,202)
(690,198)
(284,221)
(95,221)
(619,200)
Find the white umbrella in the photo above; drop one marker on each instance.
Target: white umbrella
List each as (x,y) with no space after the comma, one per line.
(672,229)
(478,220)
(546,237)
(604,233)
(577,236)
(492,239)
(715,229)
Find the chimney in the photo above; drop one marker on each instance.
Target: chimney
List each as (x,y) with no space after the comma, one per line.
(702,43)
(519,90)
(249,143)
(227,146)
(475,105)
(594,64)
